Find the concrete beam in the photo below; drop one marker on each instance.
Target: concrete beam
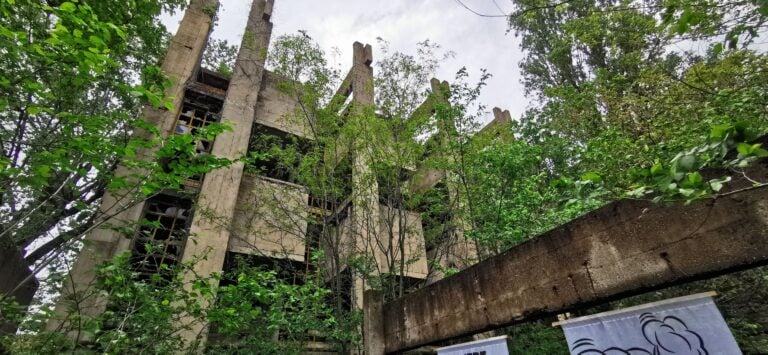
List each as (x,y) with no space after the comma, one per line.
(622,249)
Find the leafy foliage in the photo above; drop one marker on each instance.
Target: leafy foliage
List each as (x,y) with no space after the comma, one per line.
(220,56)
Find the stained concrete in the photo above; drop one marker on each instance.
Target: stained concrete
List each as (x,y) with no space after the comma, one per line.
(276,107)
(218,194)
(270,219)
(625,248)
(373,328)
(181,61)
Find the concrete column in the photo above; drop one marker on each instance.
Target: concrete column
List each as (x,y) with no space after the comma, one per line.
(365,191)
(373,323)
(218,194)
(181,61)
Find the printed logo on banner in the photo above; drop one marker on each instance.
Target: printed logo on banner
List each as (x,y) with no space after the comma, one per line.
(689,325)
(668,335)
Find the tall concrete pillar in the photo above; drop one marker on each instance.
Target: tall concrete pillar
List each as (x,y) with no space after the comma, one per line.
(365,191)
(457,251)
(120,208)
(218,194)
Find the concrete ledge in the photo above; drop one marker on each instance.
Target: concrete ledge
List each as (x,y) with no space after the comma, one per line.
(624,248)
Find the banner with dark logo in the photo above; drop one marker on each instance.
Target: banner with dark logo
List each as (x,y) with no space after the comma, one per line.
(685,325)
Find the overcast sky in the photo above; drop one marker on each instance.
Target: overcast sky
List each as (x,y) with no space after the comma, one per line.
(478,42)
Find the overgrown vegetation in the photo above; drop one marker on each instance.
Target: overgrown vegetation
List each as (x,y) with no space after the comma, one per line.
(623,110)
(620,111)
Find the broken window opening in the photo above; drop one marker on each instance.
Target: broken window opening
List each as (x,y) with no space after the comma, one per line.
(434,206)
(312,240)
(391,182)
(277,154)
(198,111)
(213,79)
(162,233)
(338,188)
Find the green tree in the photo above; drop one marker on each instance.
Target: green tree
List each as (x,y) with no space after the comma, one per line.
(623,111)
(220,56)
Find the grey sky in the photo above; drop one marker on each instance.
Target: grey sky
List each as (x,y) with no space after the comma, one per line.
(478,42)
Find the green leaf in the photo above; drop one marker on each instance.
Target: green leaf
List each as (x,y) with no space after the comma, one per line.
(33,110)
(43,170)
(760,152)
(67,6)
(96,41)
(591,176)
(717,49)
(744,149)
(695,178)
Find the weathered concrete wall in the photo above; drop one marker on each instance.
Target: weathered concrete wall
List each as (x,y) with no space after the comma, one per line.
(381,246)
(14,282)
(270,219)
(181,61)
(424,179)
(276,108)
(373,328)
(625,248)
(218,194)
(457,252)
(400,226)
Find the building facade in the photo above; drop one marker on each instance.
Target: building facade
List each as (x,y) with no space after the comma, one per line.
(258,212)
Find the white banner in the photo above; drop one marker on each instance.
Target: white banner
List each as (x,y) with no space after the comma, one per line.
(684,325)
(490,346)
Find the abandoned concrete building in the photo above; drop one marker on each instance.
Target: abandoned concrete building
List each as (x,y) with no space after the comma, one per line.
(266,212)
(268,216)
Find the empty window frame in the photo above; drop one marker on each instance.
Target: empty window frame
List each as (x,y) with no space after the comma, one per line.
(198,111)
(162,233)
(280,153)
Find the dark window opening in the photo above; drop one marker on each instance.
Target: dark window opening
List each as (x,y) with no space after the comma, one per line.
(314,235)
(337,189)
(436,217)
(289,271)
(212,78)
(197,111)
(277,154)
(162,233)
(391,184)
(341,284)
(392,282)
